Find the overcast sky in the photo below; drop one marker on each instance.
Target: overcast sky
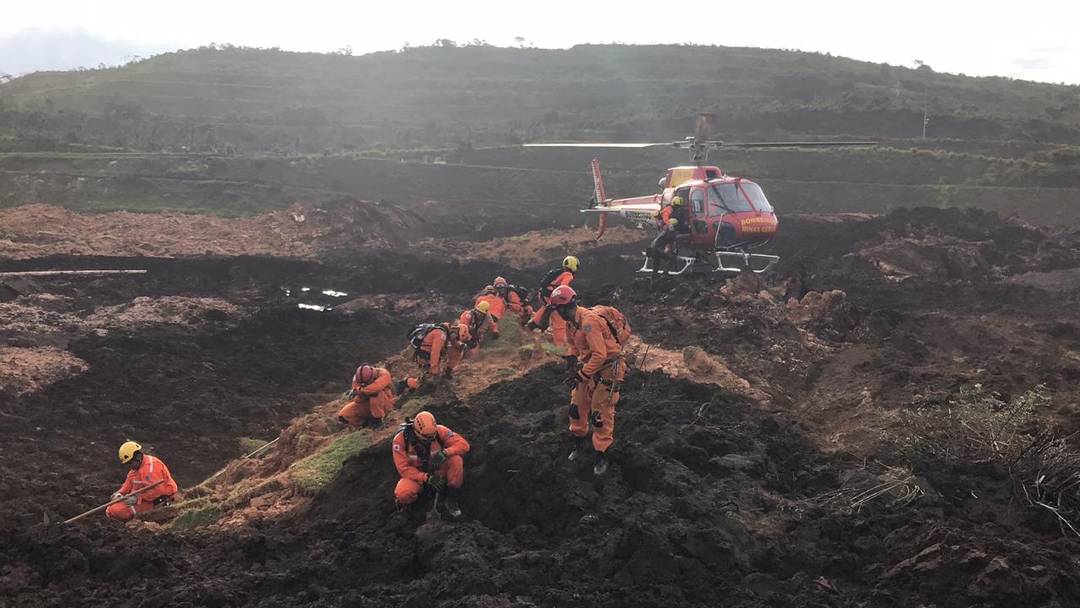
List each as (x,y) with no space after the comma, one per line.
(1034,40)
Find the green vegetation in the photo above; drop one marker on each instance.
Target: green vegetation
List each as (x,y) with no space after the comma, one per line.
(248,445)
(196,513)
(315,471)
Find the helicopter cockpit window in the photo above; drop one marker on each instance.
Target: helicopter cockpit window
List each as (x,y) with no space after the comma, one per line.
(697,202)
(726,198)
(756,196)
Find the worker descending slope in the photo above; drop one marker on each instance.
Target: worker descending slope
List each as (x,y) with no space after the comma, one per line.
(672,220)
(372,395)
(496,307)
(473,322)
(516,298)
(597,375)
(144,470)
(428,456)
(543,318)
(437,350)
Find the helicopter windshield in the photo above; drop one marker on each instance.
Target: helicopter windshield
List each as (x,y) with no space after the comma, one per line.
(756,196)
(725,198)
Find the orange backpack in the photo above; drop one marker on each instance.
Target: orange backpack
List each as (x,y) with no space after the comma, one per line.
(616,321)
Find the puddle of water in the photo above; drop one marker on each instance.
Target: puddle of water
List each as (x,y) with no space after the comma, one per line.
(334,294)
(305,289)
(318,307)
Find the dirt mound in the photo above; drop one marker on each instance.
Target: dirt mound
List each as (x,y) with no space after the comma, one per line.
(302,231)
(176,311)
(25,370)
(526,250)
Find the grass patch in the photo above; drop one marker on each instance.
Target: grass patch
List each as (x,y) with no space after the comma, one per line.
(414,405)
(315,471)
(249,445)
(197,513)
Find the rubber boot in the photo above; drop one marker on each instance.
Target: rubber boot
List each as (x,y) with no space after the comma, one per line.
(601,464)
(581,444)
(452,506)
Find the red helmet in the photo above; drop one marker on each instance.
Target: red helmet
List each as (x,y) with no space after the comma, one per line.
(563,294)
(365,374)
(499,282)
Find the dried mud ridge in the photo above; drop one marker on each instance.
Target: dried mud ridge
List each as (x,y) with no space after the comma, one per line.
(713,498)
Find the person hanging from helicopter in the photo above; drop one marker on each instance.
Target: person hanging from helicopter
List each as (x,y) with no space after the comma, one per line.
(542,318)
(672,220)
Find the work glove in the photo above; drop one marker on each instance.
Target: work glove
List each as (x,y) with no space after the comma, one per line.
(438,459)
(571,364)
(351,393)
(529,325)
(473,343)
(131,500)
(115,495)
(574,412)
(436,482)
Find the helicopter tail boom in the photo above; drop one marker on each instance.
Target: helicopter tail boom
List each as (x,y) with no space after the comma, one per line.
(599,196)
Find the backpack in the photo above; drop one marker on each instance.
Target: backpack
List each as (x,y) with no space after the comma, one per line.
(616,322)
(545,283)
(418,333)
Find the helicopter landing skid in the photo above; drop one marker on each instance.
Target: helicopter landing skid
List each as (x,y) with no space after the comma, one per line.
(728,262)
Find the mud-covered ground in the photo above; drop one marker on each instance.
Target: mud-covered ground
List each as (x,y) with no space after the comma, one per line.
(815,488)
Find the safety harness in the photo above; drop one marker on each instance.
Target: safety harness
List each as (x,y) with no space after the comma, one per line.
(419,333)
(409,435)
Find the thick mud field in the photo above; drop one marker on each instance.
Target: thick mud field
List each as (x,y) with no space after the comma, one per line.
(908,439)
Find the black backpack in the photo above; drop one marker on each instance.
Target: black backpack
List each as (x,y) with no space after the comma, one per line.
(418,333)
(545,284)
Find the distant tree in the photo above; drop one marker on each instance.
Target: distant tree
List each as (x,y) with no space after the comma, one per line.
(518,40)
(445,43)
(345,50)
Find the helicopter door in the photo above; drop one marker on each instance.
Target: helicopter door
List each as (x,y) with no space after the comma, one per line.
(697,211)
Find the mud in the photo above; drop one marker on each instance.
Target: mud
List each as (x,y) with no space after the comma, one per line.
(753,479)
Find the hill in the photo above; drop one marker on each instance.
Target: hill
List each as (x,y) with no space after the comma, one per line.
(258,100)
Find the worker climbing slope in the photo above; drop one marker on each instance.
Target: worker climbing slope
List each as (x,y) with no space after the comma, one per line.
(516,298)
(473,323)
(543,318)
(144,470)
(437,350)
(372,395)
(428,456)
(598,371)
(496,307)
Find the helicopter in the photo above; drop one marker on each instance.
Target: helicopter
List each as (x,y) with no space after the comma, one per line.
(728,215)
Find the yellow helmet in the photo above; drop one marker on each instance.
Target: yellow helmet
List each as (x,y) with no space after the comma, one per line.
(676,201)
(424,425)
(483,306)
(127,451)
(570,263)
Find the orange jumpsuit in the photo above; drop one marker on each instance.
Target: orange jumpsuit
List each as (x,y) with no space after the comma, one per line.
(557,324)
(372,400)
(497,307)
(516,305)
(471,326)
(150,471)
(599,354)
(438,355)
(411,461)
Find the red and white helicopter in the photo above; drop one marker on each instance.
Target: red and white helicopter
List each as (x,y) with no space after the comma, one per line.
(728,215)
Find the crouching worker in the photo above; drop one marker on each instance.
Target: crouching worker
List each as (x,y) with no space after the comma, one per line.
(437,350)
(428,456)
(145,470)
(372,395)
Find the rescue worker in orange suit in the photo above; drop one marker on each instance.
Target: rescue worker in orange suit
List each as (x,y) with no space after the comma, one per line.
(672,220)
(472,323)
(437,350)
(429,456)
(595,381)
(145,470)
(496,307)
(543,318)
(372,395)
(516,298)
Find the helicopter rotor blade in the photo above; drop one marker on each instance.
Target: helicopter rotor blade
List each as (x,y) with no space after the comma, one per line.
(600,145)
(790,144)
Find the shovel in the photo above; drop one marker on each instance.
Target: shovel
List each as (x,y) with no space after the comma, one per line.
(113,502)
(433,513)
